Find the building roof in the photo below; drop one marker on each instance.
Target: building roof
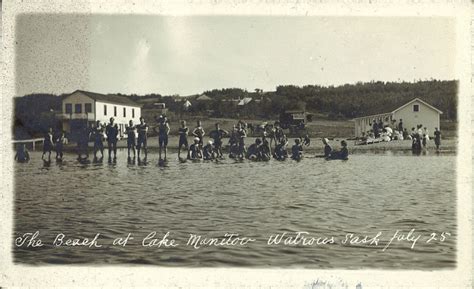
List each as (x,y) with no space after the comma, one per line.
(391,107)
(244,101)
(203,97)
(109,98)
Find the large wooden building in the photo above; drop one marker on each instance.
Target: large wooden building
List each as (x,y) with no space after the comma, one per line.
(411,113)
(83,108)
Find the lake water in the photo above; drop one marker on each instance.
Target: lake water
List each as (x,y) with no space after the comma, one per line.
(370,193)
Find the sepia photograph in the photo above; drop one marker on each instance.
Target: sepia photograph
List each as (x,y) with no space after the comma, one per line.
(236,141)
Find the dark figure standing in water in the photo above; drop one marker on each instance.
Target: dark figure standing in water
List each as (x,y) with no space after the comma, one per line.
(265,148)
(58,144)
(183,137)
(83,144)
(163,132)
(279,134)
(217,136)
(241,135)
(48,144)
(131,140)
(98,135)
(437,138)
(199,132)
(22,155)
(142,129)
(112,133)
(416,142)
(297,150)
(233,147)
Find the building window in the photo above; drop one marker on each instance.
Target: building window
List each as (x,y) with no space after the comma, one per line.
(133,113)
(78,108)
(88,107)
(416,107)
(105,109)
(115,111)
(124,112)
(68,108)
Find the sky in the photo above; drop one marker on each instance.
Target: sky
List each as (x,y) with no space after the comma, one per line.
(138,54)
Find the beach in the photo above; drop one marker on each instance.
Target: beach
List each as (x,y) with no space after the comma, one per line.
(316,146)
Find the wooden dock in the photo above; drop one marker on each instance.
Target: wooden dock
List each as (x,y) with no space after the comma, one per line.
(33,141)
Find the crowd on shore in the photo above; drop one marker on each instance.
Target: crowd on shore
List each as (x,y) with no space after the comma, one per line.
(272,143)
(382,131)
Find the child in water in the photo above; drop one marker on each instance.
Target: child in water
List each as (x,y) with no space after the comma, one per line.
(208,151)
(195,152)
(297,150)
(342,154)
(280,150)
(327,148)
(254,150)
(22,155)
(265,148)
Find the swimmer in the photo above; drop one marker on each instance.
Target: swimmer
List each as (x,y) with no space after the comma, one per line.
(208,151)
(22,155)
(241,135)
(183,137)
(342,154)
(48,144)
(98,136)
(163,132)
(131,141)
(254,150)
(327,148)
(297,150)
(280,150)
(112,132)
(142,130)
(195,152)
(217,136)
(199,132)
(59,141)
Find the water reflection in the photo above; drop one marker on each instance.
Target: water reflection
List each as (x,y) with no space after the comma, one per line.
(384,191)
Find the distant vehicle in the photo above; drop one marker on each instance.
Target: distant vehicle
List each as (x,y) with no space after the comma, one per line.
(294,120)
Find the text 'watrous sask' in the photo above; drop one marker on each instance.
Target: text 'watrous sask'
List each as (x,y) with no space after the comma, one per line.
(195,241)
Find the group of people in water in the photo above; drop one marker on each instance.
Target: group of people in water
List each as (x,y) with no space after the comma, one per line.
(383,131)
(272,143)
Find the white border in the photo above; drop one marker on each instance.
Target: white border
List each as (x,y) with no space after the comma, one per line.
(130,276)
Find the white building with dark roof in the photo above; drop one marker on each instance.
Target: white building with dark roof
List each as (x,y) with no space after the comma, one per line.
(82,108)
(411,113)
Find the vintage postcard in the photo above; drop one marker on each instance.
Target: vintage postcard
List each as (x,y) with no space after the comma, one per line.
(283,144)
